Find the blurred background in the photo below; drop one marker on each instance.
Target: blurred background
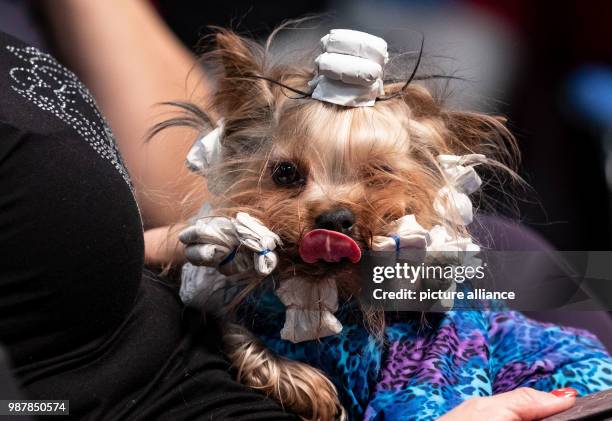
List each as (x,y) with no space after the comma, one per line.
(546,66)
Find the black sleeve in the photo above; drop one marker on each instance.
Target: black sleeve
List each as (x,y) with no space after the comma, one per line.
(79,317)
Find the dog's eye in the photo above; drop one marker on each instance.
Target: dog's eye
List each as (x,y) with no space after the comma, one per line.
(287,174)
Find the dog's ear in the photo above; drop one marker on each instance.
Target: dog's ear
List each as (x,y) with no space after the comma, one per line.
(241,94)
(470,132)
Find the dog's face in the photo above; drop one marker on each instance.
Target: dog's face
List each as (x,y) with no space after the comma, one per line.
(301,164)
(335,168)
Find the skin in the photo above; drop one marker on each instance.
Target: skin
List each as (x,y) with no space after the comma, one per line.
(132,67)
(131,62)
(522,404)
(162,247)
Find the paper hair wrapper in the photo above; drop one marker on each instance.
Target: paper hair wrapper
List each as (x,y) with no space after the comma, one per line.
(309,309)
(350,69)
(405,232)
(231,245)
(452,201)
(206,150)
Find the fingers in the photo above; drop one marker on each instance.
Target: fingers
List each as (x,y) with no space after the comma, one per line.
(522,404)
(162,247)
(530,404)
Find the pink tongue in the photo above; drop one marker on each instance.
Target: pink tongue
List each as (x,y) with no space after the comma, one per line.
(330,246)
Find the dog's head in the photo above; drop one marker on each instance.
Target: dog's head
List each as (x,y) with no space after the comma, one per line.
(350,170)
(301,164)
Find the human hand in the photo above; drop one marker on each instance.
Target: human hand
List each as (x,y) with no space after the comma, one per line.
(162,247)
(522,404)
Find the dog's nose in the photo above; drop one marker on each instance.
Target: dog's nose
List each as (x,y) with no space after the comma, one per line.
(340,219)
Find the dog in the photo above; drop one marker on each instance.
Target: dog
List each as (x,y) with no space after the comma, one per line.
(300,165)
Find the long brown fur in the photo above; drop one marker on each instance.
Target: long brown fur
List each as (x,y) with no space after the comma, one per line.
(379,162)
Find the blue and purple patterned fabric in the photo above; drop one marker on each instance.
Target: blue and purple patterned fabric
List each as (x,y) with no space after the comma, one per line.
(424,368)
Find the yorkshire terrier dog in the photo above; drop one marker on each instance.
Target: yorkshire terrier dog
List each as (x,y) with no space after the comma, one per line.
(313,178)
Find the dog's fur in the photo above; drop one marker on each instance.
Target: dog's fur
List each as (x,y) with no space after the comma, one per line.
(379,162)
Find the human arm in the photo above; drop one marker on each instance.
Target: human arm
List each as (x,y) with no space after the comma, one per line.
(162,247)
(131,62)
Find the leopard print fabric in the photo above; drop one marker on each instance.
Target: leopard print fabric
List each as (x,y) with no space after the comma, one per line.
(423,370)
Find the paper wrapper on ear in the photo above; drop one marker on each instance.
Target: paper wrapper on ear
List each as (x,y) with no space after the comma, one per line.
(460,171)
(306,325)
(350,69)
(310,307)
(209,240)
(446,246)
(448,303)
(199,280)
(454,206)
(452,201)
(403,233)
(232,245)
(206,151)
(260,240)
(206,288)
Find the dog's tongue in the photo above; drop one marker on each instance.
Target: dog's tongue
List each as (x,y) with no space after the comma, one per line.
(330,246)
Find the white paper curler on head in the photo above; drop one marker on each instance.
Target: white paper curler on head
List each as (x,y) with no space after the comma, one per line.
(350,69)
(356,43)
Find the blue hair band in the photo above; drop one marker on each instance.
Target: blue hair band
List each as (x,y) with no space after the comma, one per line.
(229,257)
(396,238)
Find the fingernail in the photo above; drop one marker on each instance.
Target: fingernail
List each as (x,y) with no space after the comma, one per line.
(565,392)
